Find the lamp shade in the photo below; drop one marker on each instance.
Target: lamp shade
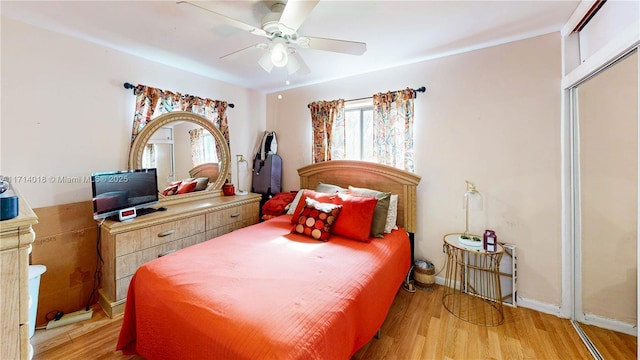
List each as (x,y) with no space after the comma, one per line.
(472,198)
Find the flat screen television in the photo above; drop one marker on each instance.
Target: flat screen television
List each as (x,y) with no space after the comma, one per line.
(118,190)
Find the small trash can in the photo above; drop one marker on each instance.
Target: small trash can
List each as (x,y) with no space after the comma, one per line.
(35,272)
(424,273)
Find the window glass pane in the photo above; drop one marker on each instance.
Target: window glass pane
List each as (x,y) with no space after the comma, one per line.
(367,134)
(209,148)
(352,134)
(149,156)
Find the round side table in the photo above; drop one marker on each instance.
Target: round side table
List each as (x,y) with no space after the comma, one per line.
(472,290)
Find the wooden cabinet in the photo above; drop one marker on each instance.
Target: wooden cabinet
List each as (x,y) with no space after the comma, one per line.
(16,237)
(125,246)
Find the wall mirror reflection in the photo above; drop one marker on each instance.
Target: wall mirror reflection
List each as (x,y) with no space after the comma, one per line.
(189,153)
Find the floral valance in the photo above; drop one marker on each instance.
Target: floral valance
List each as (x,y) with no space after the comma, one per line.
(152,102)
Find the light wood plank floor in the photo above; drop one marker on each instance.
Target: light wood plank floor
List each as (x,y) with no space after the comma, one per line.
(417,327)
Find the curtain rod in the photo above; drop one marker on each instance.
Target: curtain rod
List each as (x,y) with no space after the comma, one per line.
(128,85)
(420,89)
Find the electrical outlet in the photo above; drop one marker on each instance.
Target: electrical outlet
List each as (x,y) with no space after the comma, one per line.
(70,318)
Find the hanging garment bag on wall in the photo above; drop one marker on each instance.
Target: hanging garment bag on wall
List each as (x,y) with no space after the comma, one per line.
(268,144)
(267,166)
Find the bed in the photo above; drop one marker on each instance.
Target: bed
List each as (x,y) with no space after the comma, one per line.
(263,292)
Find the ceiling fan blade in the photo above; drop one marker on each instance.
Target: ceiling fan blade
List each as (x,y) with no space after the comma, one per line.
(334,45)
(256,46)
(230,21)
(294,14)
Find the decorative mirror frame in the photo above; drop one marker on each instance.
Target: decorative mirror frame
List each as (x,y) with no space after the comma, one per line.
(139,143)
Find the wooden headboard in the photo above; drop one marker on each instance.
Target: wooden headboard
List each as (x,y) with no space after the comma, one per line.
(367,175)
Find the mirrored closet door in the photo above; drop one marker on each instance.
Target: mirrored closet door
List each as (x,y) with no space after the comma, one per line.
(605,130)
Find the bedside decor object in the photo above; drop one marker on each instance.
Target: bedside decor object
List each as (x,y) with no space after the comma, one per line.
(240,159)
(472,199)
(490,241)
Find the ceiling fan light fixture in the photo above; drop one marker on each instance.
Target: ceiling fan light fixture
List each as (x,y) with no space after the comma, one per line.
(279,53)
(293,65)
(265,62)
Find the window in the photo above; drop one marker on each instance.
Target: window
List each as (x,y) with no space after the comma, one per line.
(203,149)
(208,142)
(381,131)
(356,133)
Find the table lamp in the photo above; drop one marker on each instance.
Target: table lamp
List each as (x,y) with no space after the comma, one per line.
(240,159)
(472,199)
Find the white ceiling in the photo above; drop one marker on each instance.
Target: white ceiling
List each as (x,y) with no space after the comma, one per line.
(396,32)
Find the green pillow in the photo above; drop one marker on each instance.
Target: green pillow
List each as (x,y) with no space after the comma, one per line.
(330,189)
(380,212)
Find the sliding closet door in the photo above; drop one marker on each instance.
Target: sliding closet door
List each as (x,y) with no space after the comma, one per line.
(607,125)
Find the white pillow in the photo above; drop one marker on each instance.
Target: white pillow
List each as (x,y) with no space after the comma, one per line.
(392,214)
(294,203)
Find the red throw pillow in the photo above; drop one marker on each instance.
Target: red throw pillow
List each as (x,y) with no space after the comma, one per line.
(187,187)
(276,205)
(170,190)
(316,219)
(356,217)
(321,197)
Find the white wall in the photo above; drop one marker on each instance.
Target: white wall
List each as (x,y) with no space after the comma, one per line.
(65,112)
(491,116)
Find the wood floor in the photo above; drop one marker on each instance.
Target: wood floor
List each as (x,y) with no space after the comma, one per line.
(417,327)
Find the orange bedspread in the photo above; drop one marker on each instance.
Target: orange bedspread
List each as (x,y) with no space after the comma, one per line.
(263,293)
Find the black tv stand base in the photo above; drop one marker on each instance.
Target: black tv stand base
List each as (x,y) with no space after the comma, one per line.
(145,211)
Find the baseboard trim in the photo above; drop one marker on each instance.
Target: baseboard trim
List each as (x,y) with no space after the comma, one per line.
(540,306)
(611,324)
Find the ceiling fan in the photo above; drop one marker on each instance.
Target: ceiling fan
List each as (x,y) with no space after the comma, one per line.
(280,26)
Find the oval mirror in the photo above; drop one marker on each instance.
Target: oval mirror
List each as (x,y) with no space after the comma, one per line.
(184,148)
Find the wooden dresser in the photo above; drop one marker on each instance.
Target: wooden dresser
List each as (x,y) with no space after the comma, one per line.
(125,246)
(16,237)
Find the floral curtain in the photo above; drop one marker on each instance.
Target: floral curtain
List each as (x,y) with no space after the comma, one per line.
(323,116)
(393,129)
(152,102)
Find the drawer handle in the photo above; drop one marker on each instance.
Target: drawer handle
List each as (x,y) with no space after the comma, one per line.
(235,214)
(166,233)
(166,253)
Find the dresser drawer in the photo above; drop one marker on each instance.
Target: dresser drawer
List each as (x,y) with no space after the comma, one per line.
(127,265)
(140,239)
(223,221)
